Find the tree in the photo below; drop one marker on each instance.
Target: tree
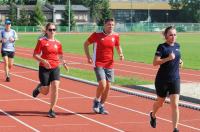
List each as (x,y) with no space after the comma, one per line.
(65,21)
(13,13)
(105,12)
(37,17)
(189,9)
(24,18)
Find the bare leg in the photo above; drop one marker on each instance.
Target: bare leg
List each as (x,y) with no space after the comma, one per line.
(54,93)
(157,104)
(100,89)
(6,69)
(174,99)
(105,92)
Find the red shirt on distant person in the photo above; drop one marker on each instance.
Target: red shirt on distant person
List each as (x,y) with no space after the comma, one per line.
(50,49)
(104,48)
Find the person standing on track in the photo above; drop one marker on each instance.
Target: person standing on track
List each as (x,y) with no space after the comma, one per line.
(48,52)
(167,80)
(7,38)
(103,47)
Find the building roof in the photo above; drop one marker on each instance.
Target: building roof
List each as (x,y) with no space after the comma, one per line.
(140,5)
(74,7)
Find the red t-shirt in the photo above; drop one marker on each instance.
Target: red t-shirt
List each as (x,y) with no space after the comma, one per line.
(49,50)
(104,48)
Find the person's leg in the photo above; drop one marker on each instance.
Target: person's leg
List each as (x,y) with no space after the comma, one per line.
(105,92)
(157,104)
(54,93)
(6,69)
(10,63)
(174,99)
(100,89)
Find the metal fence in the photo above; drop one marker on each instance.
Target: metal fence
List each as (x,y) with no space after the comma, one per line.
(120,27)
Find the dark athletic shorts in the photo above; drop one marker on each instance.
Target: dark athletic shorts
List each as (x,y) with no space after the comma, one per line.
(46,76)
(165,88)
(10,54)
(104,73)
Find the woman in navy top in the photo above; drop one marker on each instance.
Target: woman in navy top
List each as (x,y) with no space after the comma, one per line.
(167,80)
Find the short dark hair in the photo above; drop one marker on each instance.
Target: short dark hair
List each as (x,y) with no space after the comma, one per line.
(167,29)
(109,19)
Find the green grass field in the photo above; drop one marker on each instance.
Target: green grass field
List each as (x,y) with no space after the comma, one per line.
(136,47)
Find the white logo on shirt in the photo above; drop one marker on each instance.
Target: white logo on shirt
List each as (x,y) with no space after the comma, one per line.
(55,46)
(113,39)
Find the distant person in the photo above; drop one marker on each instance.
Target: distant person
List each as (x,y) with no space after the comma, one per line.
(49,53)
(167,81)
(8,37)
(103,47)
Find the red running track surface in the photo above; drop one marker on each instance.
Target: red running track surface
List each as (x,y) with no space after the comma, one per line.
(128,113)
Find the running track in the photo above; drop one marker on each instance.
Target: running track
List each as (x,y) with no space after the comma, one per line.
(125,68)
(19,111)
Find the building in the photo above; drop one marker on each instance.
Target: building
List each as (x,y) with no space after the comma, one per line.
(128,11)
(52,12)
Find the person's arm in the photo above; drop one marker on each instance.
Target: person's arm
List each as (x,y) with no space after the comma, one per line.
(120,53)
(63,61)
(87,53)
(158,61)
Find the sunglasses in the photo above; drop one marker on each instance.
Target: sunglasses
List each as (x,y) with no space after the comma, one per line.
(51,30)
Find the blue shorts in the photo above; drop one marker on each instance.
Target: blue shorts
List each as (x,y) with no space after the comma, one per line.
(46,76)
(104,74)
(164,88)
(10,54)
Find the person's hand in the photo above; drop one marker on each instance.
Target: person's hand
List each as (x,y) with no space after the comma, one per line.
(46,64)
(171,56)
(121,57)
(90,61)
(11,39)
(181,63)
(66,67)
(4,40)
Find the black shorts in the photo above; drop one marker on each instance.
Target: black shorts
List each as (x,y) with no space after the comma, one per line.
(46,76)
(10,54)
(165,88)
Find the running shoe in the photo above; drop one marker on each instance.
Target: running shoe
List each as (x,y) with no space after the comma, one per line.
(7,79)
(102,110)
(36,91)
(152,121)
(176,130)
(96,106)
(51,114)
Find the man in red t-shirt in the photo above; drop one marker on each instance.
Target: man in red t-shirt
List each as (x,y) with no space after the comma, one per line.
(103,59)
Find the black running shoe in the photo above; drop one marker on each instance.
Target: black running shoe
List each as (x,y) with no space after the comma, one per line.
(96,105)
(102,110)
(51,114)
(7,79)
(152,121)
(176,130)
(36,91)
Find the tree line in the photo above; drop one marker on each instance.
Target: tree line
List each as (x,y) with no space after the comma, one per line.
(99,10)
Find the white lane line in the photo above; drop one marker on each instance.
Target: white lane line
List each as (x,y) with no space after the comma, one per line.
(58,125)
(21,122)
(66,110)
(122,107)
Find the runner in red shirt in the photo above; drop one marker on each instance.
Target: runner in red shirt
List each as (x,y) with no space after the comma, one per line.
(49,53)
(103,59)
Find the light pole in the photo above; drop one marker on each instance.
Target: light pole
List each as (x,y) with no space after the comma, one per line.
(69,15)
(131,14)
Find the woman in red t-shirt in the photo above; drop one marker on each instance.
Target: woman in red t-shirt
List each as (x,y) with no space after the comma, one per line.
(48,52)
